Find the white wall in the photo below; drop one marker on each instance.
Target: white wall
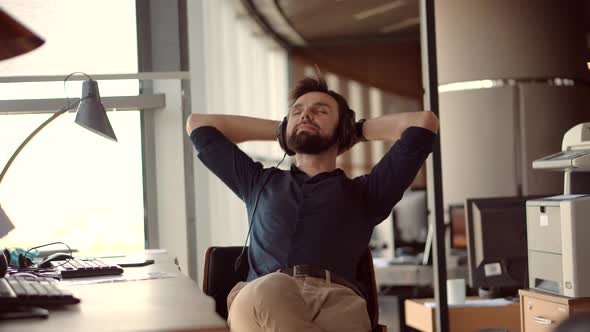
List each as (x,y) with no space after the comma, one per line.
(169,141)
(478,144)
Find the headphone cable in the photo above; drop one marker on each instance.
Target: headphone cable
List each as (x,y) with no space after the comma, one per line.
(238,261)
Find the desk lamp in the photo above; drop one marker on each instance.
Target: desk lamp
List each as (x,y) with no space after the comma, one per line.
(90,115)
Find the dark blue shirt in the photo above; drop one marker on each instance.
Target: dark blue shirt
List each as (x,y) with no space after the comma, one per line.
(325,220)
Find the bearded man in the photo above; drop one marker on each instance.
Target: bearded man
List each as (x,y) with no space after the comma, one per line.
(311,218)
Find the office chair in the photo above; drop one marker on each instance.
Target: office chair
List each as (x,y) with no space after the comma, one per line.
(220,277)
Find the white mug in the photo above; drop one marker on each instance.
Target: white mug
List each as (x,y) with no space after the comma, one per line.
(456,291)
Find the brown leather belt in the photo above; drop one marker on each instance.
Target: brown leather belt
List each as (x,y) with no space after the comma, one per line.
(316,272)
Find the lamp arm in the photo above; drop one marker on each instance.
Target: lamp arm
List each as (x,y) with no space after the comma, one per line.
(33,134)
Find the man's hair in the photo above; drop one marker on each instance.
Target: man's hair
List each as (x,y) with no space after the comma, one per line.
(310,84)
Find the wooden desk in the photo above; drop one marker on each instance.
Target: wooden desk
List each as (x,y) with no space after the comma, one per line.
(172,304)
(463,319)
(542,312)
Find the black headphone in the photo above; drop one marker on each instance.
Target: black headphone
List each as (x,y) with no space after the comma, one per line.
(3,262)
(344,132)
(23,261)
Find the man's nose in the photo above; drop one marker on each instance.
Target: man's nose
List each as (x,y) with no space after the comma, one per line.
(306,113)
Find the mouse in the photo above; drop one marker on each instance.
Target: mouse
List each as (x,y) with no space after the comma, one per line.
(58,256)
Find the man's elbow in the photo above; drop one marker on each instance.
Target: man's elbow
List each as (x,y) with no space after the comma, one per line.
(195,121)
(429,121)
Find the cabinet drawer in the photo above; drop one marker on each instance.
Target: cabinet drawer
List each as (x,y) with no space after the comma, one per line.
(542,316)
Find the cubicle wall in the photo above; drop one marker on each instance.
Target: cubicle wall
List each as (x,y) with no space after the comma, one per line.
(478,144)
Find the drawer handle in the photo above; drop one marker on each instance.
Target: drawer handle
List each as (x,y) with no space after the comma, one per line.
(542,320)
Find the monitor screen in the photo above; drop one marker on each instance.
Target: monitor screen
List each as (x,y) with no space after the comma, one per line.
(457,224)
(402,236)
(497,242)
(410,222)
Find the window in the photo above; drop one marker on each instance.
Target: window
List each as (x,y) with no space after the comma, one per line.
(69,184)
(246,74)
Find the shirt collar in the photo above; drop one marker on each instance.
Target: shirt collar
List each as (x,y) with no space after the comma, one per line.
(297,172)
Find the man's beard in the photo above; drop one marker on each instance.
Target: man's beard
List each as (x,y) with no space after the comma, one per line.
(310,143)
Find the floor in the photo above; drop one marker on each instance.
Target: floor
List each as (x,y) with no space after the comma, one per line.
(389,312)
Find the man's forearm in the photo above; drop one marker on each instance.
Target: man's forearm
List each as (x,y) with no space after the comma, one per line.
(235,127)
(390,127)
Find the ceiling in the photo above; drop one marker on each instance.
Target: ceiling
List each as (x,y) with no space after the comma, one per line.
(328,22)
(324,22)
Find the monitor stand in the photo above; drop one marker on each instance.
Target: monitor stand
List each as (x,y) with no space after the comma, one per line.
(498,292)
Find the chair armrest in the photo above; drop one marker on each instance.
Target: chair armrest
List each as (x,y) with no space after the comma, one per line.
(380,328)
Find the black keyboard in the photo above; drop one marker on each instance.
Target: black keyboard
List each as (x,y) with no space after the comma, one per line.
(33,291)
(85,267)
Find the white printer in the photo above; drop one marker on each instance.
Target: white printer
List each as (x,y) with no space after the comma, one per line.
(558,227)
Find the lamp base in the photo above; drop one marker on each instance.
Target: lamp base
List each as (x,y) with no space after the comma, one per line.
(5,224)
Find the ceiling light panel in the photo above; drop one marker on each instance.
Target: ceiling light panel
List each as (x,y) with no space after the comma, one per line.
(378,10)
(401,25)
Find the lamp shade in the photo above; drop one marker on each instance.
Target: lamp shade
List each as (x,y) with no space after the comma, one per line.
(15,39)
(91,114)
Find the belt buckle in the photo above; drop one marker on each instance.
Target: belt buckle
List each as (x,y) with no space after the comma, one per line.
(301,270)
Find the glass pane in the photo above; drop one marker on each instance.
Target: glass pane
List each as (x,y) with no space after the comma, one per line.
(69,184)
(97,37)
(72,185)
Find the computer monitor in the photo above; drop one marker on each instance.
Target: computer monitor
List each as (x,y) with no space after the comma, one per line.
(402,236)
(458,227)
(497,244)
(410,223)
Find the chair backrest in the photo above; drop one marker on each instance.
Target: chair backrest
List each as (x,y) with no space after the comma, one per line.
(365,273)
(220,277)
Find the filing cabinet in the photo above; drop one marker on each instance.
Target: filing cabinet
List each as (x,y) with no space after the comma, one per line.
(542,312)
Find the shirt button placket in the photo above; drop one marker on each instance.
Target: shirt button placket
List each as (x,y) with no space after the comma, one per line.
(303,206)
(299,217)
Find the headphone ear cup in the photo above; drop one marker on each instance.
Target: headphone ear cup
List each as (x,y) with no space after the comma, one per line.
(8,255)
(282,137)
(21,261)
(24,261)
(346,130)
(3,264)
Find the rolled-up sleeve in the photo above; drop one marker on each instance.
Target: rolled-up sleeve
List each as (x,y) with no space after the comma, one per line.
(227,161)
(393,174)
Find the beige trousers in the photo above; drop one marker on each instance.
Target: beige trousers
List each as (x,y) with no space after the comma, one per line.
(279,302)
